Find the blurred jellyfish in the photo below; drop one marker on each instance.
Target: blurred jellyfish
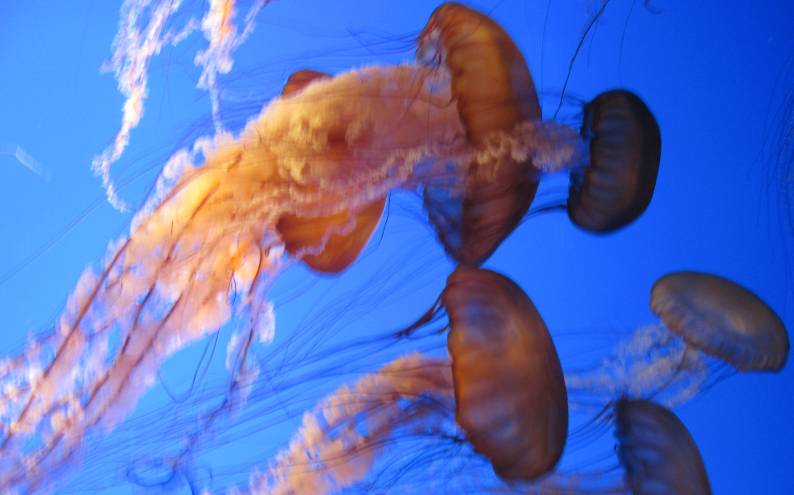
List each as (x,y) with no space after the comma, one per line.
(655,455)
(656,450)
(710,326)
(723,319)
(503,386)
(145,28)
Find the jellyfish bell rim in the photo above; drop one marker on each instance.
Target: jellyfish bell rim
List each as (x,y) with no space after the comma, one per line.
(763,339)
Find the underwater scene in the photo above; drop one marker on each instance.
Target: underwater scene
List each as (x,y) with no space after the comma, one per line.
(306,247)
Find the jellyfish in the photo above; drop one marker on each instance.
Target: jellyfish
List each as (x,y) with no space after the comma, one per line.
(658,453)
(493,91)
(710,328)
(723,319)
(502,385)
(300,233)
(652,453)
(625,148)
(509,389)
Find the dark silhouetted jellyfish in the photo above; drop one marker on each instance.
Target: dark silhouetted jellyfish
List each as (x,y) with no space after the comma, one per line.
(711,327)
(614,183)
(658,454)
(617,184)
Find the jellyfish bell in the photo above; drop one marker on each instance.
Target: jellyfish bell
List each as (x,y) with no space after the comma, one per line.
(710,328)
(300,79)
(493,92)
(617,185)
(658,453)
(327,243)
(722,319)
(509,389)
(340,249)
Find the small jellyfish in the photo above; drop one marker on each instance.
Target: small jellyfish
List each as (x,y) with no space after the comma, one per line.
(711,328)
(723,319)
(656,450)
(625,148)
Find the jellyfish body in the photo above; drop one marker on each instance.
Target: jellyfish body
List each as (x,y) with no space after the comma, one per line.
(494,92)
(723,319)
(327,243)
(625,148)
(509,389)
(503,387)
(659,455)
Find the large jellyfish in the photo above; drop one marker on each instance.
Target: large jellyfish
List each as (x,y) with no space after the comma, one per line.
(503,386)
(493,92)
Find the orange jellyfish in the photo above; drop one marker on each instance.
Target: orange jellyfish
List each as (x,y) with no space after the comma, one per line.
(207,246)
(493,91)
(501,393)
(339,237)
(509,389)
